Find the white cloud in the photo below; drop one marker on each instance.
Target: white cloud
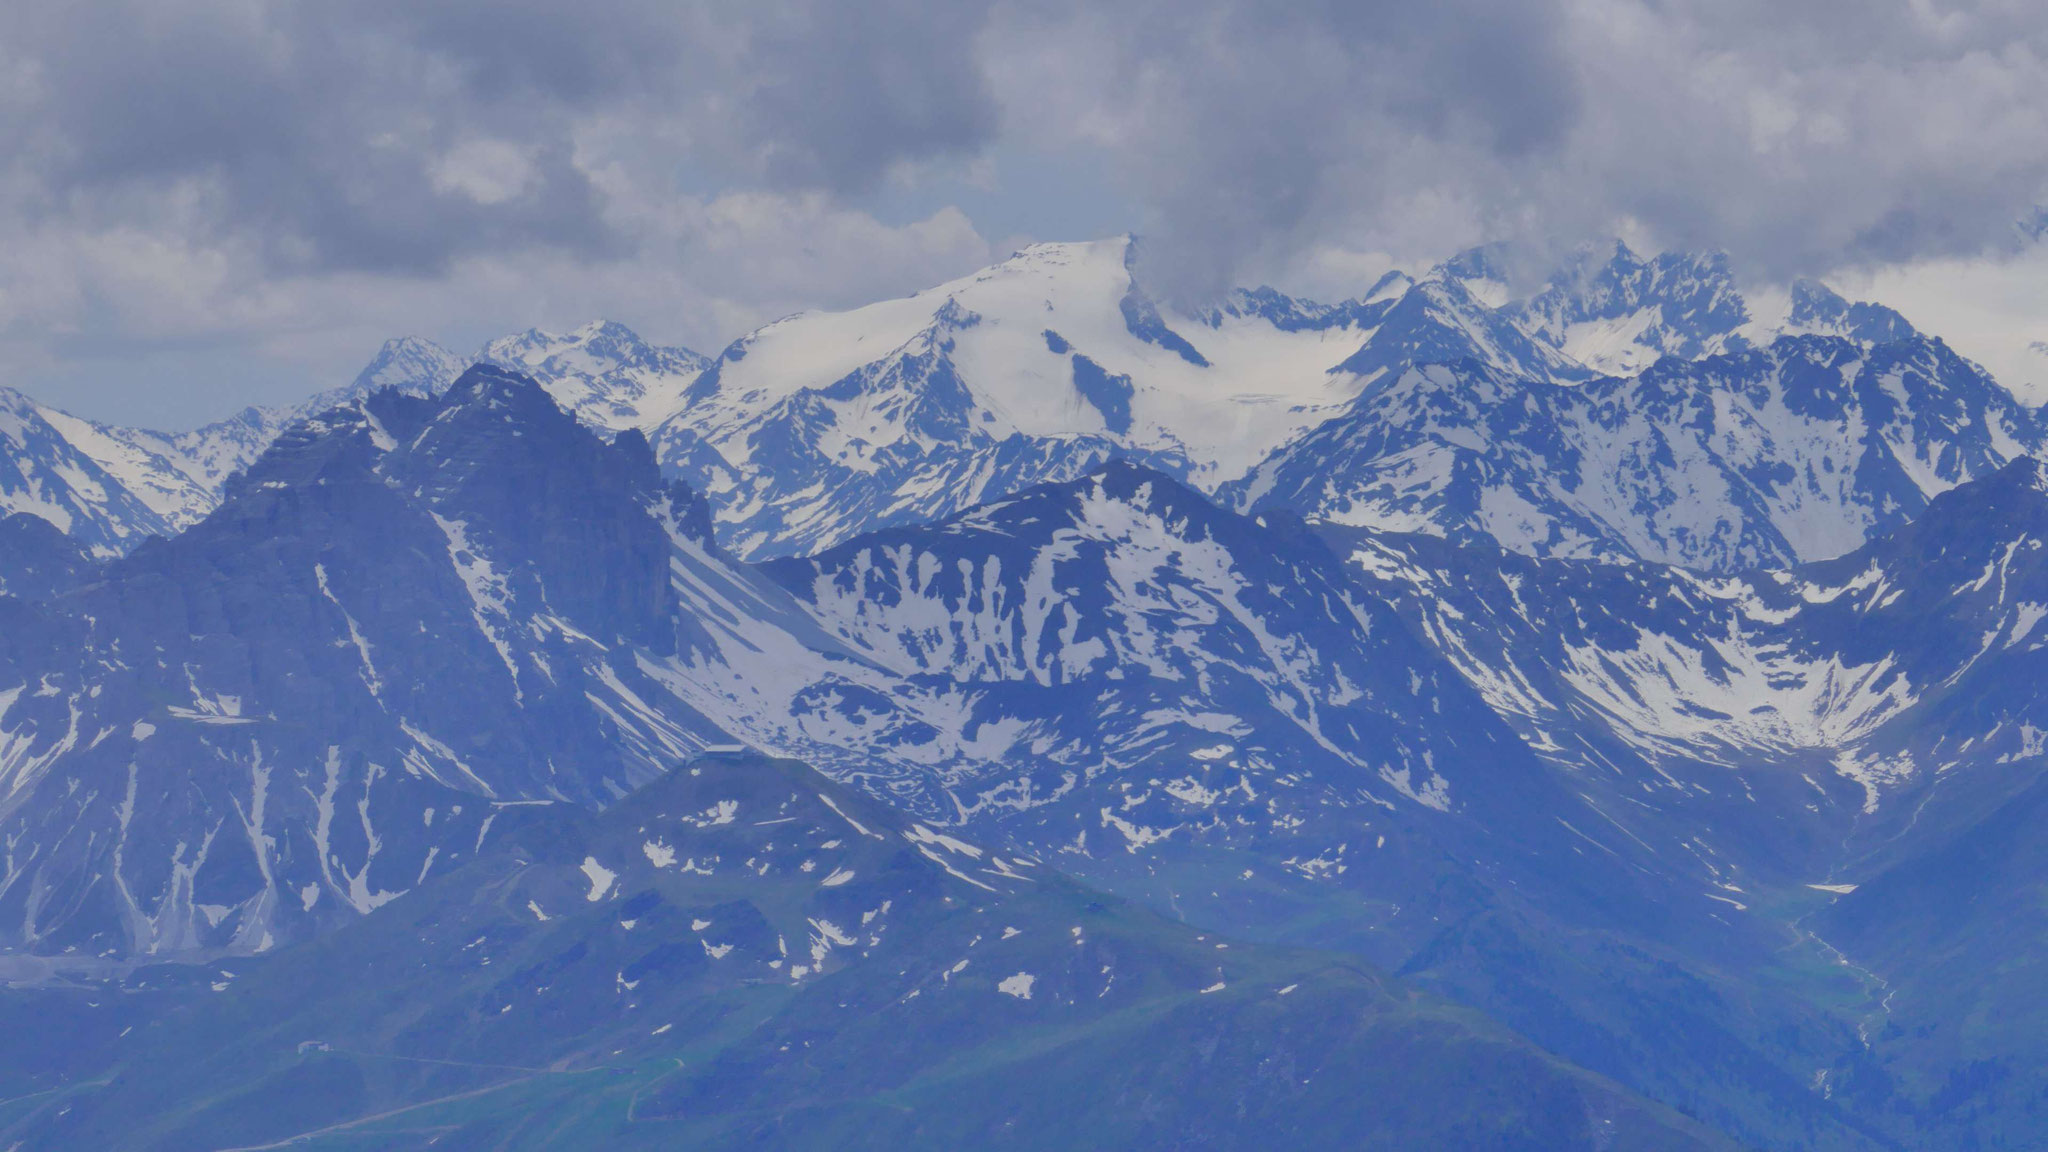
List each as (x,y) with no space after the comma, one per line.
(1989,309)
(487,171)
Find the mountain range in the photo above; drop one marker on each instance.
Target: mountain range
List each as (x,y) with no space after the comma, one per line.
(1632,407)
(1025,713)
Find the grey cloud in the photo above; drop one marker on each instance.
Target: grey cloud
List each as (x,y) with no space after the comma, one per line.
(1800,137)
(793,93)
(1251,129)
(335,136)
(347,137)
(1803,138)
(268,127)
(843,91)
(279,147)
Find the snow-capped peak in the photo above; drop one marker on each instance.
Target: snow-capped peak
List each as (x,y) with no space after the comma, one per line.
(1041,364)
(411,363)
(825,424)
(603,371)
(1617,313)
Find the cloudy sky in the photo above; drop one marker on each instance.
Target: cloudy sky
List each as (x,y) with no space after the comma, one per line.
(206,203)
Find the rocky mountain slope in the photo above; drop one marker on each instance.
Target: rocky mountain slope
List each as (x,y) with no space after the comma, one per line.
(744,955)
(416,617)
(1793,452)
(1885,679)
(1850,749)
(327,688)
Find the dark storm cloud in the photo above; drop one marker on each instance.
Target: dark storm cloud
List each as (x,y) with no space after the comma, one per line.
(843,91)
(387,137)
(395,137)
(1248,127)
(1799,136)
(811,93)
(315,143)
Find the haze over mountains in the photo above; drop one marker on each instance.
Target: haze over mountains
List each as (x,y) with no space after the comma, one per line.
(1635,666)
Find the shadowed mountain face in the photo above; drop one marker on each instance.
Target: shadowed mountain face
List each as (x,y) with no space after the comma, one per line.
(36,560)
(746,955)
(401,619)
